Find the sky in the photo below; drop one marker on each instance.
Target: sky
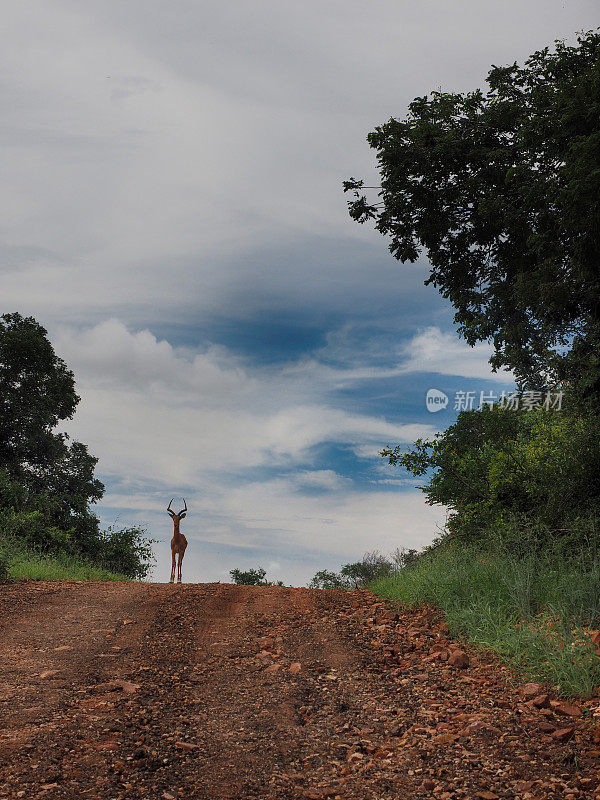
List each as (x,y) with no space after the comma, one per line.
(172,212)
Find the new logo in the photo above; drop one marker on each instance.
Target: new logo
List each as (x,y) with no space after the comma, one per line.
(435,400)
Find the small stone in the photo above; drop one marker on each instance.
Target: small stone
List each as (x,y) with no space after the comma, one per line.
(542,701)
(295,667)
(458,658)
(49,673)
(479,726)
(524,786)
(563,734)
(428,785)
(356,756)
(187,746)
(566,709)
(531,690)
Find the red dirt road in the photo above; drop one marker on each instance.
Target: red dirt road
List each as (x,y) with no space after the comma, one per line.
(218,691)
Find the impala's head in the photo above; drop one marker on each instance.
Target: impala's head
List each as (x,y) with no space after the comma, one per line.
(176,517)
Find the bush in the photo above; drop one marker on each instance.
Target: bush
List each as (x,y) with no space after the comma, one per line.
(126,551)
(372,566)
(31,528)
(360,574)
(324,579)
(495,468)
(252,577)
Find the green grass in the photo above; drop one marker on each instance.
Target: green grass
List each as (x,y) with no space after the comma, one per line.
(17,563)
(532,609)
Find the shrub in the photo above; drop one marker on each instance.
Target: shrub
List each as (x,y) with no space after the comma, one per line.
(324,579)
(359,574)
(497,468)
(126,550)
(31,529)
(252,577)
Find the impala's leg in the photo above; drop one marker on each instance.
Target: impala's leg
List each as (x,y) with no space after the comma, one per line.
(179,560)
(172,566)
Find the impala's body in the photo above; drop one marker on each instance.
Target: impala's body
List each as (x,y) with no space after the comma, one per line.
(178,542)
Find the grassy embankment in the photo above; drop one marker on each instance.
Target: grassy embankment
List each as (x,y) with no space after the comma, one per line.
(17,562)
(534,610)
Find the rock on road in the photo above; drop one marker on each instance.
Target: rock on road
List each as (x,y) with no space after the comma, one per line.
(152,691)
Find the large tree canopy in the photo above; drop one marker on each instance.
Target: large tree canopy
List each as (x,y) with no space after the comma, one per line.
(37,391)
(502,191)
(40,469)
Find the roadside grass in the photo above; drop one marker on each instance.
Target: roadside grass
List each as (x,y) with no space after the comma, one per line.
(17,563)
(537,610)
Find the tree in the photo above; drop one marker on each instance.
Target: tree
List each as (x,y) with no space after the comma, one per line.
(496,468)
(372,567)
(360,574)
(502,191)
(252,577)
(42,470)
(325,579)
(37,390)
(47,481)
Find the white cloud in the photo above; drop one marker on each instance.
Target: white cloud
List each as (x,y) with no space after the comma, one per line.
(108,354)
(369,450)
(446,354)
(430,350)
(151,412)
(342,523)
(320,479)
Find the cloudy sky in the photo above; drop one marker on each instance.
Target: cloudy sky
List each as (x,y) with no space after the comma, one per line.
(172,213)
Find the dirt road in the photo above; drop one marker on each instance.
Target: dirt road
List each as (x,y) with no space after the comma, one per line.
(218,691)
